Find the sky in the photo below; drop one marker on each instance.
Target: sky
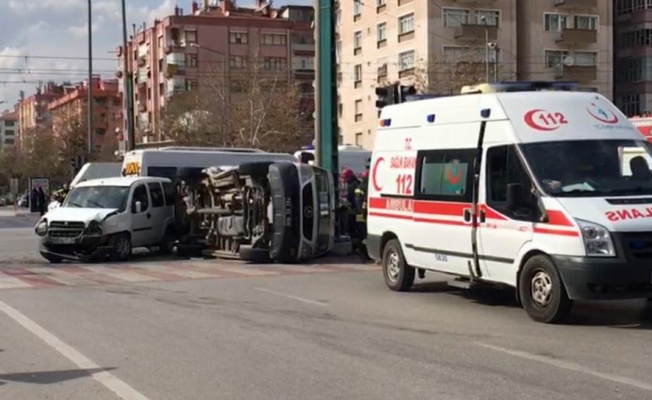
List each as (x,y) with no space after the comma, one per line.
(47,40)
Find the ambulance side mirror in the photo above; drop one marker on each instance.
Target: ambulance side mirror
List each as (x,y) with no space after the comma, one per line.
(517,197)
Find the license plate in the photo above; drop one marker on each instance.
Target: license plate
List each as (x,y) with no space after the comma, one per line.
(62,240)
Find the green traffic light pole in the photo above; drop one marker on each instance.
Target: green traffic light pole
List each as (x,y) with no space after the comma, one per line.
(326,127)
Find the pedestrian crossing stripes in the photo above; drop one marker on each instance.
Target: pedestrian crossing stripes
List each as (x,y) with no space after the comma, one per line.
(34,277)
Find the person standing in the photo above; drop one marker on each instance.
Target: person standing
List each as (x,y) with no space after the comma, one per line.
(41,201)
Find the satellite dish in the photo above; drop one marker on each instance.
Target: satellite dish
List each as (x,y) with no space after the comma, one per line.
(568,61)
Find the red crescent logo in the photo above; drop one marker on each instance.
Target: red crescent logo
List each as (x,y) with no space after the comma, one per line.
(373,174)
(454,179)
(529,120)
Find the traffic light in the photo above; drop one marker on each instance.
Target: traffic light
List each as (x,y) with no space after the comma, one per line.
(404,92)
(386,96)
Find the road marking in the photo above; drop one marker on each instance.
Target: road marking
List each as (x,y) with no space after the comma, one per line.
(289,296)
(107,379)
(570,366)
(10,282)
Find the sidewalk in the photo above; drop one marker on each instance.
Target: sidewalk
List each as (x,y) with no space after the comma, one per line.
(8,211)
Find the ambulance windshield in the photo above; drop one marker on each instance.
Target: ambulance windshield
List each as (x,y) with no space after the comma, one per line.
(591,168)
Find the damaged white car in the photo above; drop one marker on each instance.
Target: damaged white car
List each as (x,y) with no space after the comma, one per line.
(107,218)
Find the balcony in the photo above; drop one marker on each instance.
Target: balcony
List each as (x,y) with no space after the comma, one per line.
(142,76)
(473,32)
(578,73)
(303,47)
(577,36)
(566,4)
(174,47)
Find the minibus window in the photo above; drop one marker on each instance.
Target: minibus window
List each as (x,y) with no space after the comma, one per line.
(504,167)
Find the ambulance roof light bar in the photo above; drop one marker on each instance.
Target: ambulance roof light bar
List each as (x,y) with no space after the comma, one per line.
(533,86)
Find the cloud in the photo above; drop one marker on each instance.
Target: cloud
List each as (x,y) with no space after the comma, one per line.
(48,40)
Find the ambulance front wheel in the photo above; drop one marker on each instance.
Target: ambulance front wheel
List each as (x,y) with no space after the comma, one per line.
(399,276)
(542,291)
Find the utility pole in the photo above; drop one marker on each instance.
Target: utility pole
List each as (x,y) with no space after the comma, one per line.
(326,127)
(128,100)
(89,110)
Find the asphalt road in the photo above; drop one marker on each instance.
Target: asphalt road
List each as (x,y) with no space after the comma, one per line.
(322,333)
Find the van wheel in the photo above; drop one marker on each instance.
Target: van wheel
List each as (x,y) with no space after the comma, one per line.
(542,292)
(121,244)
(257,256)
(398,275)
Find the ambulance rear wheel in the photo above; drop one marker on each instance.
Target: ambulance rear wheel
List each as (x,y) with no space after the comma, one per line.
(542,291)
(398,275)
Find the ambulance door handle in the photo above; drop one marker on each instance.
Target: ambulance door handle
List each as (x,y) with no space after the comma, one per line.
(483,217)
(467,215)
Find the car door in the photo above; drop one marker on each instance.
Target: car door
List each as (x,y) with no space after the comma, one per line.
(502,233)
(142,229)
(158,210)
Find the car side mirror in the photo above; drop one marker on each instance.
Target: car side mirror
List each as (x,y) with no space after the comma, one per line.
(138,207)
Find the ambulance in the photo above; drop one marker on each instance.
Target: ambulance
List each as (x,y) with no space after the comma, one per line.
(514,185)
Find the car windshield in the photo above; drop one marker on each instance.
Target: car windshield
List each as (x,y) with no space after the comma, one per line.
(98,197)
(591,168)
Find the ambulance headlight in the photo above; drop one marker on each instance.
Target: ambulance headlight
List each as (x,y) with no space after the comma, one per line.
(597,240)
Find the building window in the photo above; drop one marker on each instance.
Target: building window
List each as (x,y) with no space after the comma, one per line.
(381,32)
(630,104)
(237,62)
(9,132)
(406,24)
(274,63)
(191,36)
(357,10)
(357,75)
(585,58)
(382,69)
(191,84)
(554,58)
(491,17)
(455,17)
(338,50)
(358,111)
(273,39)
(358,138)
(381,5)
(9,123)
(192,60)
(406,61)
(589,22)
(357,42)
(555,22)
(238,38)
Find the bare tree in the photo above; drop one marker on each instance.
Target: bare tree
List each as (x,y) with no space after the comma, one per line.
(448,74)
(253,104)
(70,133)
(266,105)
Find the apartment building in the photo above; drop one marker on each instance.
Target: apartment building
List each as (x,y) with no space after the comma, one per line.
(33,110)
(633,56)
(215,39)
(568,40)
(69,111)
(439,46)
(8,128)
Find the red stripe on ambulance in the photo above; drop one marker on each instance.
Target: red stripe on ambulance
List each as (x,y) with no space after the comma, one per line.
(420,210)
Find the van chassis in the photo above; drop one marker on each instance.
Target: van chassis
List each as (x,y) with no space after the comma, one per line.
(226,213)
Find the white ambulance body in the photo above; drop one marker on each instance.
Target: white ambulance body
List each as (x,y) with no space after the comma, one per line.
(554,212)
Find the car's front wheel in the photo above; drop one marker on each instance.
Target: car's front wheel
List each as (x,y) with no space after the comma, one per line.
(121,247)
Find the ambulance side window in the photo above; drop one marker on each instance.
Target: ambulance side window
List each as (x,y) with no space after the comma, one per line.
(445,175)
(503,167)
